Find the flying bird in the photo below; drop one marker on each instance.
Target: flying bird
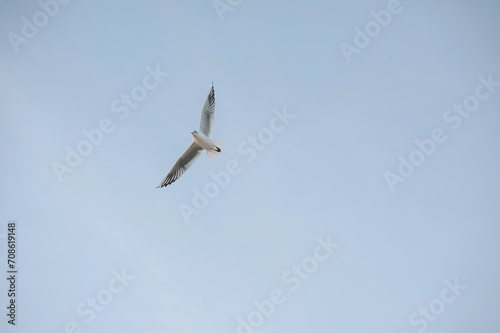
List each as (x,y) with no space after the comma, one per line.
(201,142)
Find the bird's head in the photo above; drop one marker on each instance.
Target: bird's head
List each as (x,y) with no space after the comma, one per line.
(194,132)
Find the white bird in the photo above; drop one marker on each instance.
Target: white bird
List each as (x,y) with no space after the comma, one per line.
(200,141)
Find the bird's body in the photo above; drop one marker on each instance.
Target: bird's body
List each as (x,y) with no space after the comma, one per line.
(201,141)
(204,142)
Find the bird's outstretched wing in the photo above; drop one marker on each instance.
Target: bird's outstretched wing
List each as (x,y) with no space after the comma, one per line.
(207,113)
(182,164)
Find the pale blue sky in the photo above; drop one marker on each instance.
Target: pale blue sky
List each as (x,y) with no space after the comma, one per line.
(321,176)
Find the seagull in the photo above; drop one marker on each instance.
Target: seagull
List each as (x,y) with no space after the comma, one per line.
(201,142)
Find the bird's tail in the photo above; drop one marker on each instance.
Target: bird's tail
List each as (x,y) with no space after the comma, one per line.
(213,153)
